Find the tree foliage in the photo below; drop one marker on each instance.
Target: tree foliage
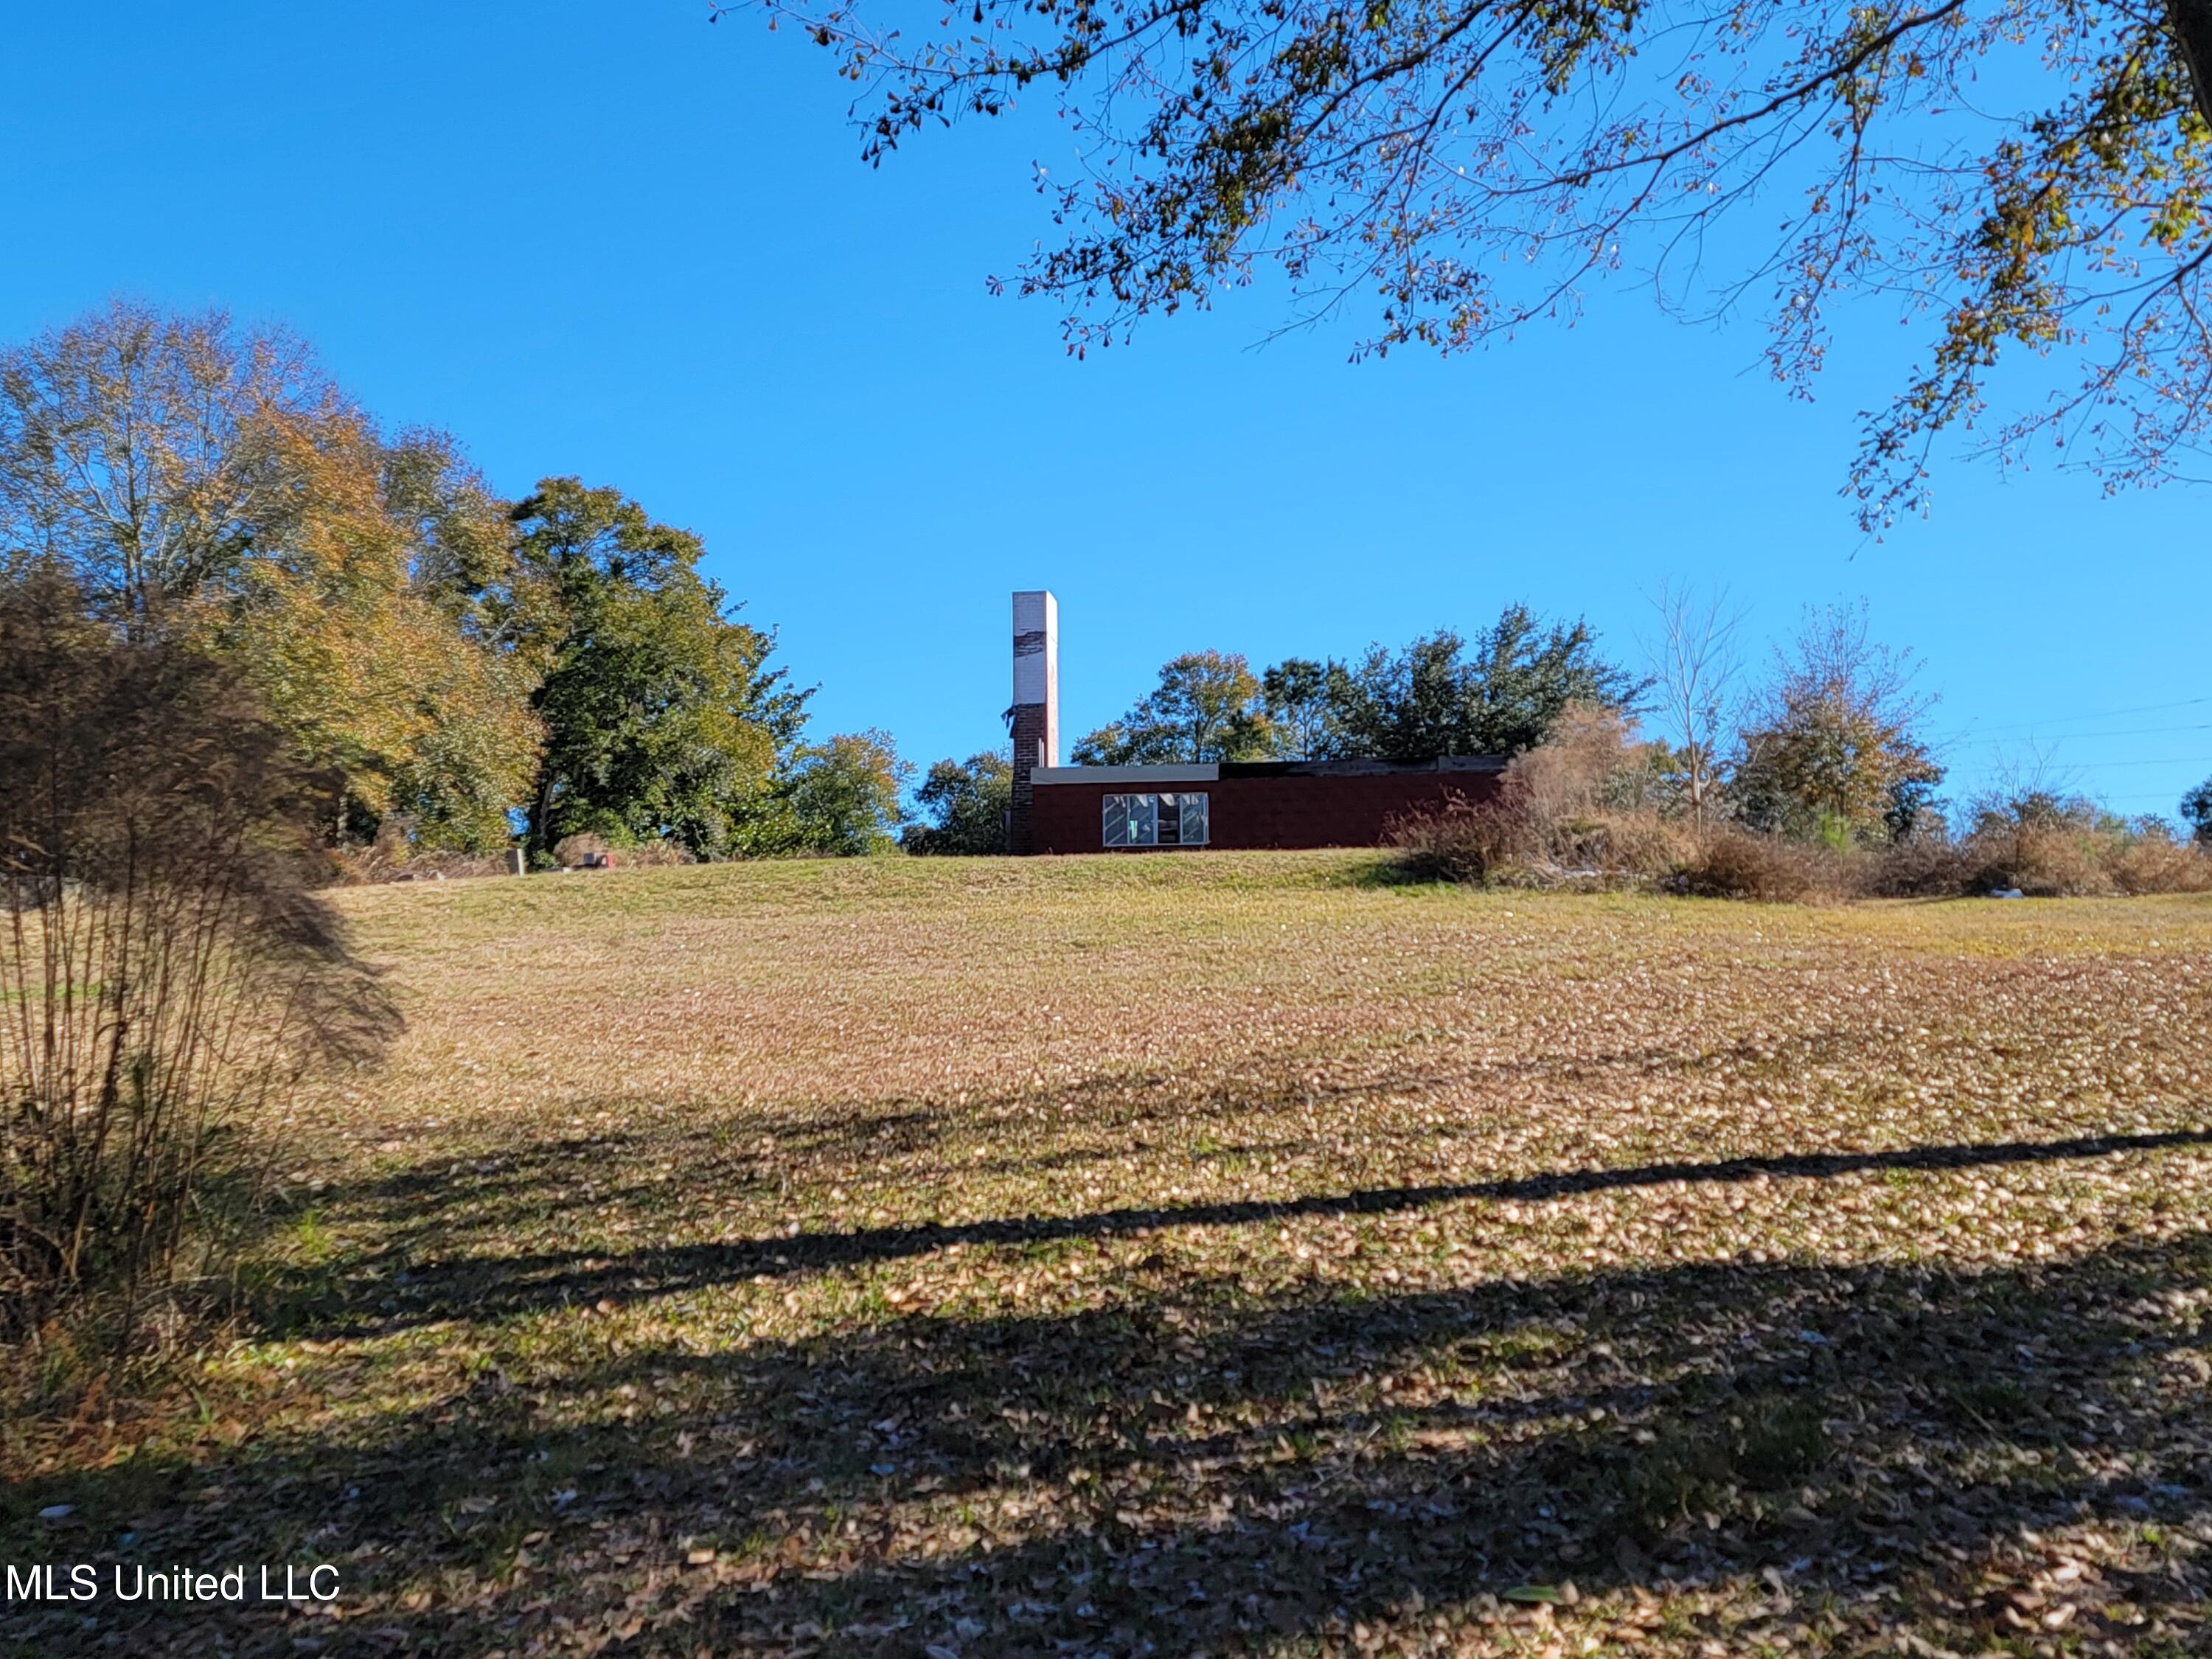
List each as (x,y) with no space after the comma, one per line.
(1207,707)
(2018,180)
(208,484)
(2196,810)
(1301,715)
(326,617)
(442,659)
(128,452)
(838,799)
(966,803)
(1497,694)
(661,717)
(1833,748)
(1500,694)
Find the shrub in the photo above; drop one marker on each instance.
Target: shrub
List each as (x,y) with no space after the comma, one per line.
(355,867)
(2150,861)
(1571,774)
(570,851)
(2051,845)
(1635,846)
(166,969)
(1736,863)
(1570,810)
(1461,840)
(1925,863)
(2042,860)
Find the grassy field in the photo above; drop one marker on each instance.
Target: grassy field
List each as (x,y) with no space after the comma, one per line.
(1224,1254)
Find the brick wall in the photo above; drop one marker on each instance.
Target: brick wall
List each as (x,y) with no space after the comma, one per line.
(1294,810)
(1030,726)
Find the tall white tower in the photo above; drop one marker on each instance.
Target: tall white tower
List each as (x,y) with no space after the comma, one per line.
(1036,702)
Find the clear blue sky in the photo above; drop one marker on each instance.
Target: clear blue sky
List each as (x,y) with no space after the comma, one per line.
(611,240)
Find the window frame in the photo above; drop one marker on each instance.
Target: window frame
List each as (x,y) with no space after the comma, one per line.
(1141,812)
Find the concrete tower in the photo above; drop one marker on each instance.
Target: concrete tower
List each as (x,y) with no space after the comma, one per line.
(1037,703)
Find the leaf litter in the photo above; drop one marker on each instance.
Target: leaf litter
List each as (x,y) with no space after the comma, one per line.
(1222,1255)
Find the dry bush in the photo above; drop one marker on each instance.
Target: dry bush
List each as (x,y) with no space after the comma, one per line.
(2152,861)
(164,966)
(443,865)
(1924,865)
(2043,861)
(1634,846)
(1581,804)
(1568,776)
(362,867)
(2054,846)
(359,867)
(1575,811)
(1565,811)
(1461,840)
(2045,848)
(1731,862)
(570,851)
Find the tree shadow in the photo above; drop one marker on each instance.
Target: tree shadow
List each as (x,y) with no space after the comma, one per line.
(390,1291)
(1840,1457)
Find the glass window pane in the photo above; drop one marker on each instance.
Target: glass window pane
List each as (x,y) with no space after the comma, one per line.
(1194,815)
(1144,820)
(1170,821)
(1118,820)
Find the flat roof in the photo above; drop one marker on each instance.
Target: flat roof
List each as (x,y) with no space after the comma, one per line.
(1209,772)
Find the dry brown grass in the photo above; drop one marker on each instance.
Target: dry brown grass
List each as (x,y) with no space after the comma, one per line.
(1209,1253)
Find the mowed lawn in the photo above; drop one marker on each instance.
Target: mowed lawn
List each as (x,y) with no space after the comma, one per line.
(1215,1253)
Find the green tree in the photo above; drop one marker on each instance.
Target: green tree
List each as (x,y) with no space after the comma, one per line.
(1497,694)
(967,803)
(1832,748)
(661,717)
(1300,716)
(1472,164)
(2196,810)
(1206,707)
(839,798)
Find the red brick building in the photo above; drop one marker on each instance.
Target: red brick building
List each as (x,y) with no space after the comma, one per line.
(1349,803)
(1092,809)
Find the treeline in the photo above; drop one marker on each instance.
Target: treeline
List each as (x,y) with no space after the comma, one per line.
(459,671)
(1698,764)
(1443,694)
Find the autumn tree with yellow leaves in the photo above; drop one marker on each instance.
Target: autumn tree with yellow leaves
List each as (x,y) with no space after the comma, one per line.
(446,665)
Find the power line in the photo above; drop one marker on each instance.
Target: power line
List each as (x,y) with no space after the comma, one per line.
(2068,737)
(2102,714)
(2102,766)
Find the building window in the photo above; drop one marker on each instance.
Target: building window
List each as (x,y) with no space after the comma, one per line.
(1156,821)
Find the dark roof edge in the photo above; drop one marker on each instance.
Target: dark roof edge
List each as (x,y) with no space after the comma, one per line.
(1460,765)
(1361,769)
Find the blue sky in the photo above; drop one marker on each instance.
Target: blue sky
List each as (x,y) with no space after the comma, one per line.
(612,240)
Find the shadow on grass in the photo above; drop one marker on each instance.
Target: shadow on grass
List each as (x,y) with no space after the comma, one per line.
(390,1291)
(1837,1457)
